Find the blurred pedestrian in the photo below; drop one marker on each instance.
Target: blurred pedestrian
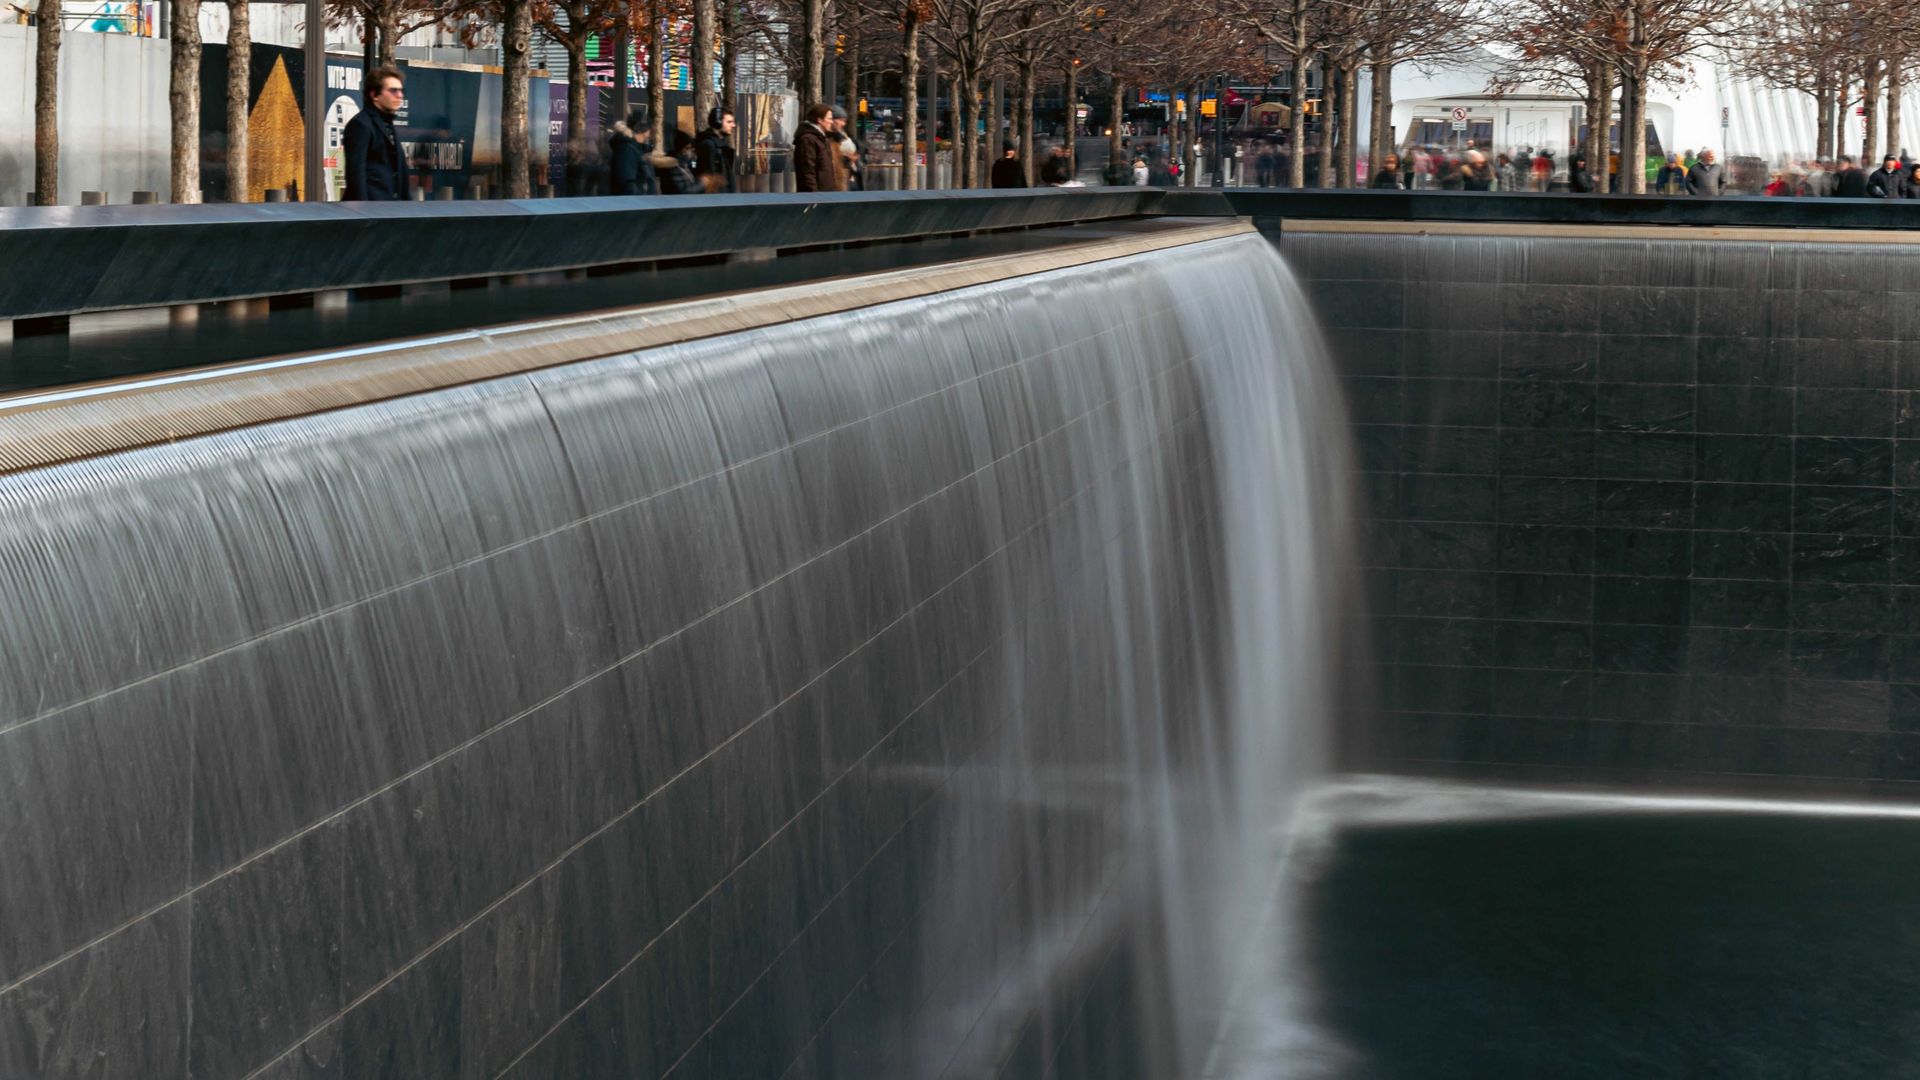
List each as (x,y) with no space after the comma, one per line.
(1777,185)
(673,171)
(1889,181)
(1506,175)
(1849,182)
(1707,178)
(376,165)
(1389,175)
(1579,180)
(1475,173)
(1672,178)
(1007,171)
(627,157)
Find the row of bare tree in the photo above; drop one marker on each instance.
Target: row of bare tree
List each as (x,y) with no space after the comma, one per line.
(1844,54)
(1607,52)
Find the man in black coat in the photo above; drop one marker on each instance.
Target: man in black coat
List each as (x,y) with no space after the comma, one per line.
(1849,182)
(1007,172)
(1889,181)
(376,163)
(713,153)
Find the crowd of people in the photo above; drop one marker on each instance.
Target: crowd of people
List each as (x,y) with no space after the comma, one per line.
(826,158)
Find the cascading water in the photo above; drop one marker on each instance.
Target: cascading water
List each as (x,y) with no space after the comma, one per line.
(912,692)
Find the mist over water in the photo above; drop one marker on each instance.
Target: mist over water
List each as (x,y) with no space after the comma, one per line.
(920,691)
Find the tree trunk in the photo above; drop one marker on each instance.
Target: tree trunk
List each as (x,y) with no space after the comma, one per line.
(700,60)
(1117,101)
(813,51)
(388,36)
(622,63)
(970,102)
(1072,93)
(962,143)
(239,90)
(910,102)
(1633,135)
(1297,123)
(656,77)
(1896,85)
(729,54)
(996,128)
(932,135)
(369,43)
(1028,91)
(1870,110)
(1823,96)
(1329,123)
(1600,125)
(1349,123)
(183,101)
(516,46)
(46,104)
(576,111)
(852,69)
(1380,142)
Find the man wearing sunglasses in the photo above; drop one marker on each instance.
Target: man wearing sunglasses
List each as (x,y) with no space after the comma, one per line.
(376,163)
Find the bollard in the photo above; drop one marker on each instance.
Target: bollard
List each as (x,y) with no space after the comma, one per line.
(418,194)
(444,194)
(276,194)
(146,198)
(93,198)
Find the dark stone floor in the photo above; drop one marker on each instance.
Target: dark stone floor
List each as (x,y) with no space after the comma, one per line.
(1628,945)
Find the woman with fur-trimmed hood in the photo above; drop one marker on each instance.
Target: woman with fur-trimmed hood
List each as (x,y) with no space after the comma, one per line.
(631,173)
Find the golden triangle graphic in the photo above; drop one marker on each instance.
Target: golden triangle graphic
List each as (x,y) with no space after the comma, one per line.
(276,136)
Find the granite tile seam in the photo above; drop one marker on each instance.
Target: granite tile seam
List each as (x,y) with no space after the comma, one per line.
(104,418)
(586,520)
(615,666)
(1066,503)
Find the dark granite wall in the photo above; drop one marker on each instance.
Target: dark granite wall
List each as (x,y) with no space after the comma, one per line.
(1637,508)
(722,710)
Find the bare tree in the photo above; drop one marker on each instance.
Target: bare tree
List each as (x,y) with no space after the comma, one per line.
(46,103)
(383,23)
(1418,32)
(706,18)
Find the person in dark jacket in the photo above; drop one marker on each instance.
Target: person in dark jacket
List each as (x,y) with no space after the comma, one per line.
(672,171)
(631,174)
(1389,175)
(376,163)
(1007,172)
(713,153)
(1889,181)
(1708,178)
(1850,182)
(1476,174)
(815,152)
(1913,181)
(1579,179)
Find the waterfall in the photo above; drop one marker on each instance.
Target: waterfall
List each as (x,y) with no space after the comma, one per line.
(915,691)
